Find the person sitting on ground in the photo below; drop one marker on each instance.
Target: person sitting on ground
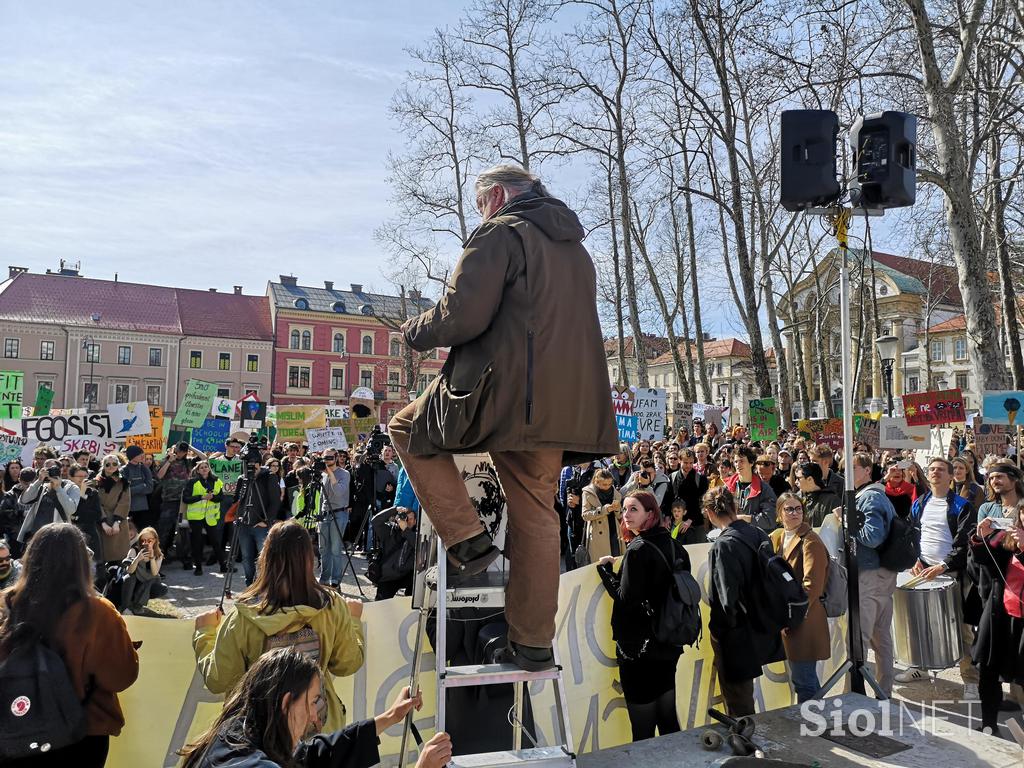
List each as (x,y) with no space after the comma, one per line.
(285,606)
(143,563)
(269,716)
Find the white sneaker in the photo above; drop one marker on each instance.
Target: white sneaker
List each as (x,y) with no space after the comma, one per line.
(971,692)
(911,675)
(127,612)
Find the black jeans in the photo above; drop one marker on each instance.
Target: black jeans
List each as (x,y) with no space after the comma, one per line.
(196,528)
(990,691)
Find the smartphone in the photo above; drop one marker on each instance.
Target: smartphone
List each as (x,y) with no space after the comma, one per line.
(1002,523)
(904,464)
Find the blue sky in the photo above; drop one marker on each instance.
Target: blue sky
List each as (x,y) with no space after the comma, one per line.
(201,143)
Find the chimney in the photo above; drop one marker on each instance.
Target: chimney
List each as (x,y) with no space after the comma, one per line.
(13,272)
(329,285)
(289,280)
(238,290)
(212,290)
(357,287)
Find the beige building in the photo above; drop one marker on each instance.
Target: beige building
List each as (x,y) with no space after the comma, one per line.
(104,341)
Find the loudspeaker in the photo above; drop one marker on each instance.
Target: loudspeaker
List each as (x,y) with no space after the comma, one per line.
(808,172)
(884,160)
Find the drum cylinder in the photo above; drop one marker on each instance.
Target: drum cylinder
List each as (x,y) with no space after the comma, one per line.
(926,623)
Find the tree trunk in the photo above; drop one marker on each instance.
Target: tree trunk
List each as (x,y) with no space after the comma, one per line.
(623,378)
(1007,293)
(627,252)
(691,246)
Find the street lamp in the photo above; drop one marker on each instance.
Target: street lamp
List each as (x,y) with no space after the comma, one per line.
(87,344)
(887,346)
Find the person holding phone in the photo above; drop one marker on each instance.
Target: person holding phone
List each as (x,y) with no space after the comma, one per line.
(143,563)
(602,513)
(51,500)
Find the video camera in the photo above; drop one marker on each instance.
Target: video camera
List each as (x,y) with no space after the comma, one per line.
(376,442)
(250,453)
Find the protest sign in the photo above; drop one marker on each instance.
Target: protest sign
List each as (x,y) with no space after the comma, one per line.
(12,447)
(329,437)
(195,404)
(943,407)
(227,471)
(209,437)
(358,430)
(47,429)
(222,408)
(153,442)
(894,433)
(252,414)
(11,396)
(97,447)
(622,405)
(938,445)
(44,399)
(866,429)
(337,413)
(763,419)
(1000,407)
(989,439)
(822,431)
(129,419)
(294,420)
(649,413)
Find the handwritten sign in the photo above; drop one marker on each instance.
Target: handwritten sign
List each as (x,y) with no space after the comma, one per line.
(227,471)
(764,419)
(252,414)
(622,405)
(649,413)
(51,428)
(990,439)
(153,442)
(196,404)
(358,430)
(11,396)
(209,437)
(943,407)
(294,420)
(44,399)
(822,431)
(329,437)
(866,429)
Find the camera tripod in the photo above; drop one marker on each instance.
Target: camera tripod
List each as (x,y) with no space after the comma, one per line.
(316,483)
(241,518)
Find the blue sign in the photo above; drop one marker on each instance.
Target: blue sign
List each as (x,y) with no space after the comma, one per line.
(210,437)
(627,428)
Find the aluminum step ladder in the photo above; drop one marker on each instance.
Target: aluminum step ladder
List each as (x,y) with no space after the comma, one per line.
(486,590)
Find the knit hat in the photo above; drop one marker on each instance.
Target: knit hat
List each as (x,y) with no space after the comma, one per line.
(132,451)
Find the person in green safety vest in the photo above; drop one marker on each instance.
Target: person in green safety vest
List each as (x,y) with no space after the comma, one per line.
(202,497)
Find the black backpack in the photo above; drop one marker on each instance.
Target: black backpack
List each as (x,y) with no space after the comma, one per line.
(778,599)
(39,710)
(678,623)
(902,546)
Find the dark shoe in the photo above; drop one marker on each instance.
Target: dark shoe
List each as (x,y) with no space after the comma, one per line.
(198,570)
(211,560)
(526,657)
(470,557)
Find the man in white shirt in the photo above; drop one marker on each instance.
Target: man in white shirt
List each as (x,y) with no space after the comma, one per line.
(947,521)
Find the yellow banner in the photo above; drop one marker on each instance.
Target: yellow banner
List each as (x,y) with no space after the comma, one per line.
(169,685)
(293,421)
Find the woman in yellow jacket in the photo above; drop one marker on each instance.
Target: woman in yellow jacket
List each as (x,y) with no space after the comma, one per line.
(284,607)
(202,497)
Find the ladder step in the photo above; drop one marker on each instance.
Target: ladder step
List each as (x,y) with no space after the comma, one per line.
(494,674)
(549,757)
(484,590)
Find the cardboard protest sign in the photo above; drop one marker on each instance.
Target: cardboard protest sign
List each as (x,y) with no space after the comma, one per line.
(895,434)
(337,413)
(209,437)
(358,430)
(822,431)
(1000,407)
(12,447)
(153,441)
(943,407)
(329,437)
(44,399)
(649,413)
(227,471)
(866,428)
(97,447)
(222,408)
(938,445)
(763,419)
(47,429)
(990,439)
(252,414)
(129,419)
(622,405)
(195,404)
(11,395)
(294,420)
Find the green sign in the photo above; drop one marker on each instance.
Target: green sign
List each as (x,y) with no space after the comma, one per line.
(357,430)
(764,419)
(11,383)
(44,399)
(227,471)
(196,404)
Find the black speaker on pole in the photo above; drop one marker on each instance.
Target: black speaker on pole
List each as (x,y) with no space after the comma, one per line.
(808,172)
(885,160)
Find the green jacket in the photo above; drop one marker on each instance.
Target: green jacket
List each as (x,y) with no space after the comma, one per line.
(224,653)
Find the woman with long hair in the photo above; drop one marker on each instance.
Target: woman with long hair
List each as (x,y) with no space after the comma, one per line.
(202,496)
(647,668)
(143,563)
(284,607)
(54,602)
(964,483)
(274,708)
(11,473)
(115,502)
(806,554)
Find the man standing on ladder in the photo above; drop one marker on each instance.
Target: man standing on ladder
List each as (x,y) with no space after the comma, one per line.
(525,380)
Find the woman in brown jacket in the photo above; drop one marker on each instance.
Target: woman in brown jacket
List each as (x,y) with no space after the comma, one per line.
(115,502)
(602,512)
(84,629)
(807,556)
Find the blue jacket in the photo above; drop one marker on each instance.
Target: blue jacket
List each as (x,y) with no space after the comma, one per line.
(405,496)
(961,519)
(876,513)
(990,509)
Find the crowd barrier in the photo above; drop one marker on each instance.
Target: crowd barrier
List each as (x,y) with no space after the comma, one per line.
(168,704)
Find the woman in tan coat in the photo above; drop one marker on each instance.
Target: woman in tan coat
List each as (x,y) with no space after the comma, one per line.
(807,556)
(115,501)
(602,512)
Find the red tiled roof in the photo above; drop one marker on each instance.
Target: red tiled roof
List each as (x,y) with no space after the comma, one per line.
(71,300)
(712,349)
(944,280)
(655,345)
(957,323)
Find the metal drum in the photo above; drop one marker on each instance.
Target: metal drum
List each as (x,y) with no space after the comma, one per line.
(926,623)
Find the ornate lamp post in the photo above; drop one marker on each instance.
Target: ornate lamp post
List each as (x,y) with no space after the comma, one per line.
(886,346)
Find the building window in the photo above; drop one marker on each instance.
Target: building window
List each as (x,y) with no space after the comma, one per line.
(156,356)
(11,347)
(153,394)
(912,384)
(124,355)
(46,350)
(224,361)
(294,344)
(936,351)
(394,381)
(47,384)
(338,378)
(960,349)
(92,352)
(298,376)
(339,342)
(366,378)
(396,348)
(122,393)
(195,359)
(367,345)
(961,381)
(223,391)
(89,393)
(307,340)
(252,363)
(718,369)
